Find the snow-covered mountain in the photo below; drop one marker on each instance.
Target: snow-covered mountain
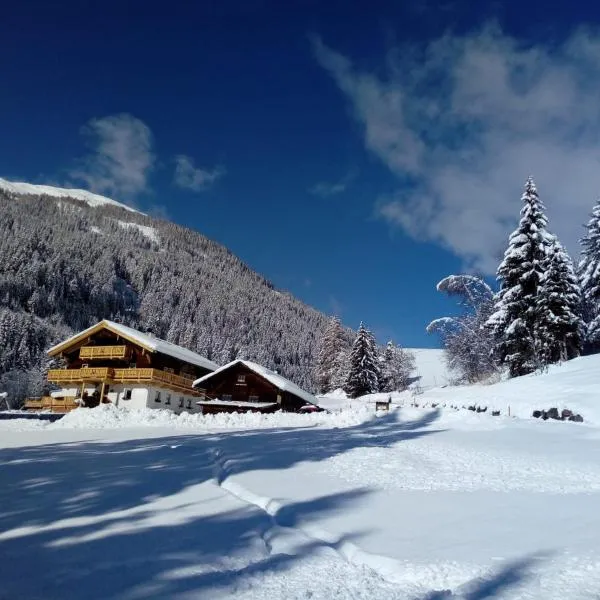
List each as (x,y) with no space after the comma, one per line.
(69,258)
(29,189)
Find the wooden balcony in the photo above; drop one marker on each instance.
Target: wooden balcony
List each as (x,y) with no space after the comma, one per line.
(79,375)
(104,352)
(156,377)
(47,403)
(108,375)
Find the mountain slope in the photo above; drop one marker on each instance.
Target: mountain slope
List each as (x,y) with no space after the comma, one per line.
(68,261)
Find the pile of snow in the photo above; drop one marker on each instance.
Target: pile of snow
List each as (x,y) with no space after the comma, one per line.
(29,189)
(573,385)
(108,416)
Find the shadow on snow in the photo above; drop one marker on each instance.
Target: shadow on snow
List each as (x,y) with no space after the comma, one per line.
(143,518)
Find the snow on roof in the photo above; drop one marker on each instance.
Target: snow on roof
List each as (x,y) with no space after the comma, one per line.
(151,343)
(30,189)
(277,380)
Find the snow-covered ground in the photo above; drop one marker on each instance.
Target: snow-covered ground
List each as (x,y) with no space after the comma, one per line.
(417,504)
(430,368)
(574,385)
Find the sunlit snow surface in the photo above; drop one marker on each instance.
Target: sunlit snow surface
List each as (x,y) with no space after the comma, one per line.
(417,504)
(30,189)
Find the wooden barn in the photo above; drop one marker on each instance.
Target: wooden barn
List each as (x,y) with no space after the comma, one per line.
(244,386)
(110,362)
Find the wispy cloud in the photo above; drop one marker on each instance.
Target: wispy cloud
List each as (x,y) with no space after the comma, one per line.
(464,120)
(190,177)
(120,159)
(327,189)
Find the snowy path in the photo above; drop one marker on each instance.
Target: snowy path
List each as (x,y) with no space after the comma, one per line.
(417,505)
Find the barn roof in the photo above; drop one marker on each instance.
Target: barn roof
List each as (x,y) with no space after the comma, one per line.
(285,385)
(150,343)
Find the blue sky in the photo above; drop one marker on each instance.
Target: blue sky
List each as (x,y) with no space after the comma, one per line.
(354,153)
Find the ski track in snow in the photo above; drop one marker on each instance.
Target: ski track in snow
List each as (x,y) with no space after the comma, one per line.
(379,576)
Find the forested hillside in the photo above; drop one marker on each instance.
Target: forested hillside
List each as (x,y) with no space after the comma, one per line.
(65,265)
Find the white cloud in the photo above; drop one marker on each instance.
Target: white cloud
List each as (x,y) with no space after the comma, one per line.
(120,158)
(327,189)
(463,121)
(187,176)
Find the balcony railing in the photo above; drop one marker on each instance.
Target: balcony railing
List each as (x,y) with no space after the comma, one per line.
(47,403)
(104,352)
(109,375)
(153,376)
(79,375)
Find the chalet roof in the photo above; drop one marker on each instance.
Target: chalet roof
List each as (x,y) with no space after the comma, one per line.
(285,385)
(148,342)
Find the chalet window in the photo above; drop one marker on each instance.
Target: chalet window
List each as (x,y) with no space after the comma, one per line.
(168,400)
(227,397)
(157,397)
(127,394)
(241,378)
(169,370)
(180,401)
(252,398)
(189,404)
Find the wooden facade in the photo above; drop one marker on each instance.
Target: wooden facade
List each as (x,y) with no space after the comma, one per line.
(103,358)
(238,388)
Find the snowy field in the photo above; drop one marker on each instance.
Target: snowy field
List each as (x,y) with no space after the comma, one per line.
(417,504)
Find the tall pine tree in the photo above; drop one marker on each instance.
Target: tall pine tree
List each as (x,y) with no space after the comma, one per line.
(516,309)
(559,327)
(589,279)
(330,368)
(363,370)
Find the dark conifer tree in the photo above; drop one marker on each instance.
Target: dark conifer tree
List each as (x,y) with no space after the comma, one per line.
(589,279)
(515,318)
(363,368)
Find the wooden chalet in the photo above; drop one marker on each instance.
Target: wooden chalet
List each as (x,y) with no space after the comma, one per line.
(244,386)
(110,362)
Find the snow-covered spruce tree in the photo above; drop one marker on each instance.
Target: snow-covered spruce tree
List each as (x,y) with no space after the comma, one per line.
(331,358)
(340,368)
(589,279)
(363,367)
(515,318)
(468,344)
(396,368)
(559,329)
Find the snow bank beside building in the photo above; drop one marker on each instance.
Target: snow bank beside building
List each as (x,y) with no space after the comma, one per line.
(109,416)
